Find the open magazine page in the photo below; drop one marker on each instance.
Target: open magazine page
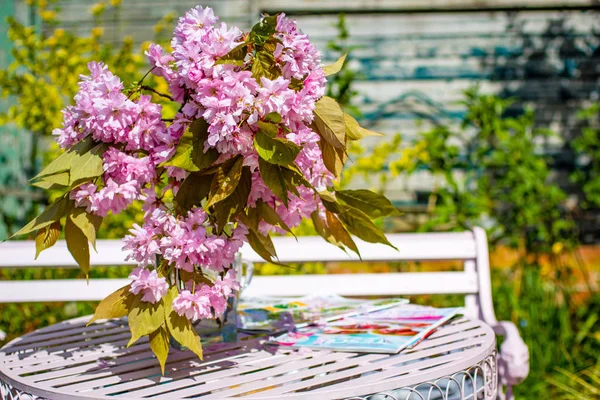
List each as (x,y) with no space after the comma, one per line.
(384,331)
(270,313)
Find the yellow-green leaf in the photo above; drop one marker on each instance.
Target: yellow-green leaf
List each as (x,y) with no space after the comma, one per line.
(87,165)
(359,224)
(356,132)
(144,318)
(52,213)
(189,154)
(78,246)
(340,233)
(87,222)
(115,305)
(272,176)
(332,159)
(159,343)
(224,183)
(234,204)
(275,150)
(56,181)
(329,121)
(262,245)
(271,216)
(372,204)
(46,237)
(65,161)
(180,327)
(335,67)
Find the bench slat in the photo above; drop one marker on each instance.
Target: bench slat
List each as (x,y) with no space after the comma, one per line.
(390,284)
(420,246)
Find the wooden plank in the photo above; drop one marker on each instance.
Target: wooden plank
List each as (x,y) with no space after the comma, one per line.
(365,284)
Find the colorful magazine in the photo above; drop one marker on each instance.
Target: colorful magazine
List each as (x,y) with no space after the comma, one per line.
(268,313)
(384,331)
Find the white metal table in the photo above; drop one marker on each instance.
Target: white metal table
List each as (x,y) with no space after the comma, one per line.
(71,361)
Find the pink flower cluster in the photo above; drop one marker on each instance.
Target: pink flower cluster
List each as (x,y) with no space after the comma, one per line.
(185,241)
(205,302)
(147,282)
(232,101)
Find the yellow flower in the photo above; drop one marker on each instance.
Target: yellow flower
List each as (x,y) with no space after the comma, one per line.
(59,33)
(557,248)
(97,31)
(98,8)
(48,15)
(115,3)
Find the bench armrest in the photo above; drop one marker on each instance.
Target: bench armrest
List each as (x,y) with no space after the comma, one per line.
(513,363)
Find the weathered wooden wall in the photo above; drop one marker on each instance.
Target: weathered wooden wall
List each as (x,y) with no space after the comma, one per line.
(416,57)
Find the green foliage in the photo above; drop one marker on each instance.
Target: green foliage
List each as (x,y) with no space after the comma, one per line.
(587,150)
(504,181)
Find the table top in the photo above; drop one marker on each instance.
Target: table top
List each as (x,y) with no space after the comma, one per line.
(71,361)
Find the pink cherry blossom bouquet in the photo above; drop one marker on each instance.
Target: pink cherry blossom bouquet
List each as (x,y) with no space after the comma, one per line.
(254,148)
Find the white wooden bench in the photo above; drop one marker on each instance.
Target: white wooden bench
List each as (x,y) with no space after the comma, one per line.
(470,248)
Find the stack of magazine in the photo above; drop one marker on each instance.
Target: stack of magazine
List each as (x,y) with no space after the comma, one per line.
(336,323)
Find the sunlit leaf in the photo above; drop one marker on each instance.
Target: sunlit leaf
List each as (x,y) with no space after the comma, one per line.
(189,154)
(64,162)
(88,165)
(356,132)
(180,327)
(115,305)
(52,213)
(160,345)
(329,121)
(87,222)
(335,67)
(225,182)
(359,224)
(275,150)
(332,159)
(271,216)
(46,237)
(273,117)
(145,318)
(230,207)
(372,204)
(273,177)
(78,246)
(264,66)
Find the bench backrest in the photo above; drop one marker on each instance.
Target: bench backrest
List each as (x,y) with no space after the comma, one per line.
(468,247)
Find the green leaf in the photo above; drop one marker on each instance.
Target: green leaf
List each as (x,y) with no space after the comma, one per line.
(53,212)
(264,65)
(189,154)
(46,237)
(56,181)
(115,305)
(65,161)
(235,56)
(329,121)
(263,246)
(273,117)
(88,165)
(339,233)
(263,30)
(87,222)
(145,318)
(372,204)
(356,132)
(78,246)
(193,190)
(275,150)
(234,204)
(271,216)
(335,67)
(272,176)
(269,128)
(180,327)
(329,201)
(160,345)
(224,183)
(359,224)
(333,231)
